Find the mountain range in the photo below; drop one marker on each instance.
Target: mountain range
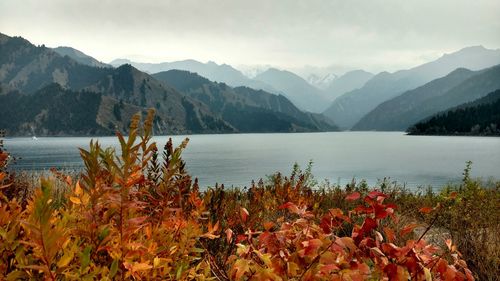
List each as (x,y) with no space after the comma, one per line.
(210,70)
(460,86)
(213,98)
(108,96)
(348,109)
(313,95)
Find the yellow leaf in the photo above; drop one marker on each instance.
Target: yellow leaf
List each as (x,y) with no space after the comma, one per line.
(240,267)
(66,259)
(85,199)
(141,266)
(78,189)
(75,200)
(428,276)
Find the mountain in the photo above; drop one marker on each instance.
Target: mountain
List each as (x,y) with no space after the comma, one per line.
(246,109)
(79,56)
(480,117)
(321,81)
(57,111)
(460,86)
(349,81)
(349,108)
(214,72)
(28,68)
(178,113)
(301,93)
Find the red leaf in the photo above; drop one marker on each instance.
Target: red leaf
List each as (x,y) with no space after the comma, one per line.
(380,211)
(229,235)
(353,196)
(311,246)
(368,225)
(244,214)
(374,194)
(291,207)
(240,238)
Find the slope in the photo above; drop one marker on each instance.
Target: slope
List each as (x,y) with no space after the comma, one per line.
(349,108)
(299,91)
(79,56)
(458,87)
(28,68)
(480,117)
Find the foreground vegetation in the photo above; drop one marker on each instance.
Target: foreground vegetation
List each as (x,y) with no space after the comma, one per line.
(137,215)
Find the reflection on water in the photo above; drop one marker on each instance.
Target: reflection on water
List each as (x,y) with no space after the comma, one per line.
(236,159)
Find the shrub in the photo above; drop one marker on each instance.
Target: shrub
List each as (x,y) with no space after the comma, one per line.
(128,217)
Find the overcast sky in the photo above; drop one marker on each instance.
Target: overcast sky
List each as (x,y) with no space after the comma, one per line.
(373,35)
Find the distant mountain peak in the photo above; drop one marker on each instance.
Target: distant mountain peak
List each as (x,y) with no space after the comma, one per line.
(79,56)
(475,50)
(118,62)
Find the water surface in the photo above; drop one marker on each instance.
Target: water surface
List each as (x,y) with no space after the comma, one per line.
(236,159)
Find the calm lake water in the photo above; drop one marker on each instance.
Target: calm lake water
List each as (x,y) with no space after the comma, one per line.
(236,159)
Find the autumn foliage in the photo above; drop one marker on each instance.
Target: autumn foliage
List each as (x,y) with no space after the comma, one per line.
(129,216)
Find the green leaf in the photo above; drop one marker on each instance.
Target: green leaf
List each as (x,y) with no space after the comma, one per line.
(103,234)
(16,275)
(179,273)
(113,269)
(86,257)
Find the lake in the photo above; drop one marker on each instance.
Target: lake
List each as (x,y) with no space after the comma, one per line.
(236,159)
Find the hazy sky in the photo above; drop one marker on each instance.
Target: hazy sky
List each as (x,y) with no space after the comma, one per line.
(374,35)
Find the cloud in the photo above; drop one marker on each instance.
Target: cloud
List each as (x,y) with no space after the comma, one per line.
(374,35)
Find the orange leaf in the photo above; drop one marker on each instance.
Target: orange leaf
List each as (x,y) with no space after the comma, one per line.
(425,210)
(453,195)
(268,225)
(69,181)
(75,200)
(140,266)
(408,229)
(78,189)
(389,233)
(449,244)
